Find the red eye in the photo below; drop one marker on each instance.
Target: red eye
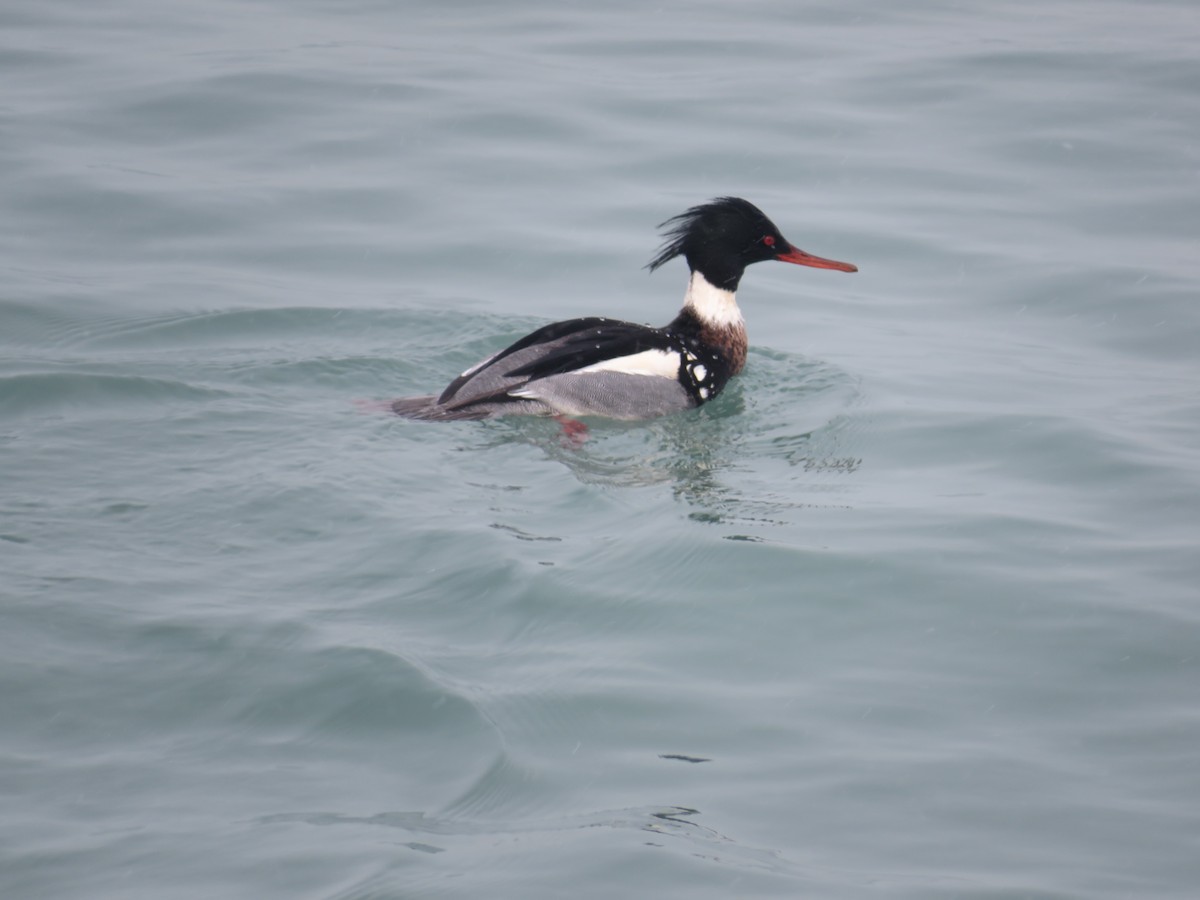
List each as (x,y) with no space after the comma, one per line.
(769,241)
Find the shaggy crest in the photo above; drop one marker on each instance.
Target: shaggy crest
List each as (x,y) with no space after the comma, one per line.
(678,229)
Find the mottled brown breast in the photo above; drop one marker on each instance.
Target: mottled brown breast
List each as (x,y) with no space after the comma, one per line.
(731,341)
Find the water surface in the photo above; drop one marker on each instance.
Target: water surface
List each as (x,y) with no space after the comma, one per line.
(909,611)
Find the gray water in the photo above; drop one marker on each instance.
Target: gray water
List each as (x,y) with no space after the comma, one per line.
(910,611)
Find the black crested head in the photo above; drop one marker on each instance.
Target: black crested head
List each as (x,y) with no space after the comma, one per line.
(720,239)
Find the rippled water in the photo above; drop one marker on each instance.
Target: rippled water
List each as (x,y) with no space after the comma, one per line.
(910,611)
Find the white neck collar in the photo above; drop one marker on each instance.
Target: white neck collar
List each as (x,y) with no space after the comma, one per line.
(712,305)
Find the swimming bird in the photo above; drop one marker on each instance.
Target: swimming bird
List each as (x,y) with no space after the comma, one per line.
(596,366)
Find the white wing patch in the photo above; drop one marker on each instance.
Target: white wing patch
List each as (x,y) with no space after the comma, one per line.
(660,363)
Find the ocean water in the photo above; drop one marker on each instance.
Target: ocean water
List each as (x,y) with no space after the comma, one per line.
(911,611)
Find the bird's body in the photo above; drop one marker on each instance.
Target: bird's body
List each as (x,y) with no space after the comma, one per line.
(621,370)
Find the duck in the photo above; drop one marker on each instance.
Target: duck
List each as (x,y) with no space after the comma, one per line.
(597,366)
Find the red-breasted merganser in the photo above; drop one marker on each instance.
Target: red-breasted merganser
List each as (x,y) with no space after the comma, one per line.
(604,367)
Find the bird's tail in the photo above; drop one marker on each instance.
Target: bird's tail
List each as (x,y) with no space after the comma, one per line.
(428,409)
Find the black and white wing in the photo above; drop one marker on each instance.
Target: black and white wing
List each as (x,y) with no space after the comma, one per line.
(589,366)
